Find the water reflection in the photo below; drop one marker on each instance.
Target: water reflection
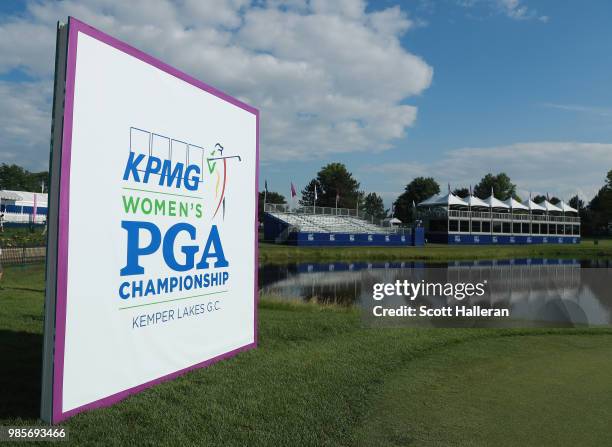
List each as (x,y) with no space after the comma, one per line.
(537,290)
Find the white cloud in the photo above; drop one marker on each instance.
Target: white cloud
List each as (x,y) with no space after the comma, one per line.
(562,169)
(604,112)
(25,123)
(513,9)
(328,77)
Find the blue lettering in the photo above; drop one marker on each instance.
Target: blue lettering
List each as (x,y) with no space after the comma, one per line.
(122,293)
(213,241)
(134,251)
(153,166)
(131,166)
(189,250)
(171,175)
(191,181)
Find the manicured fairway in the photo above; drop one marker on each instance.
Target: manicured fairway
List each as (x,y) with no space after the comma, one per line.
(531,390)
(319,378)
(434,252)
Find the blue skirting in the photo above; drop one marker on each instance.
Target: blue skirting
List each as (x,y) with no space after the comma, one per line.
(473,239)
(345,239)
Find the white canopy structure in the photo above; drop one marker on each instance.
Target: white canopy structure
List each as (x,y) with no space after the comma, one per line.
(9,195)
(566,208)
(474,201)
(445,200)
(391,222)
(532,206)
(492,202)
(515,204)
(550,207)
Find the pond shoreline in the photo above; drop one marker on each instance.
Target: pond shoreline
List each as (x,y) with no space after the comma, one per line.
(281,254)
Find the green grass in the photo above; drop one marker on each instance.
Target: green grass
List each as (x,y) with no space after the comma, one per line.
(531,390)
(320,378)
(277,254)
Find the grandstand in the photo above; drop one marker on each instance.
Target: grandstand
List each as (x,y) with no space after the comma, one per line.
(309,225)
(450,219)
(23,207)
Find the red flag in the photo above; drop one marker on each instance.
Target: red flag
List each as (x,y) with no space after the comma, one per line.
(293,193)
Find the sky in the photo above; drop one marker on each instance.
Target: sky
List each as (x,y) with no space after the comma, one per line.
(452,89)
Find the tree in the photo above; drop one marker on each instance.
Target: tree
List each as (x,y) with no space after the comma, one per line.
(576,202)
(374,206)
(600,208)
(503,188)
(15,177)
(461,192)
(271,197)
(540,198)
(416,191)
(308,193)
(333,180)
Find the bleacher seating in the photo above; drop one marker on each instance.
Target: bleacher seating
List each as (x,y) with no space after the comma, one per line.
(319,223)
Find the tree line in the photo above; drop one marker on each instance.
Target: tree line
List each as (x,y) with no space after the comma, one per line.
(335,181)
(16,178)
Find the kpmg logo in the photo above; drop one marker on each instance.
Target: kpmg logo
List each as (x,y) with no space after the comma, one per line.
(171,174)
(155,159)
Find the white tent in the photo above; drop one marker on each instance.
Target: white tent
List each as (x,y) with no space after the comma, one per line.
(474,201)
(515,204)
(532,206)
(549,206)
(445,200)
(492,202)
(9,195)
(566,208)
(391,222)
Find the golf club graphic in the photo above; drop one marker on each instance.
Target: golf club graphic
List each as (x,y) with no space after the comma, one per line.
(219,148)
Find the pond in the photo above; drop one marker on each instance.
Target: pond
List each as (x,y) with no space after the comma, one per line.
(547,291)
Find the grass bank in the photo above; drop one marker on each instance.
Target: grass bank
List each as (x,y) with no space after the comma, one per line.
(587,249)
(319,378)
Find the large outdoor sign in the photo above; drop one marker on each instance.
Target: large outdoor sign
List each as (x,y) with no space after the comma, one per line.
(153,223)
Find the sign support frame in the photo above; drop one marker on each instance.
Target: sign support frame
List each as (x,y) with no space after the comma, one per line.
(55,157)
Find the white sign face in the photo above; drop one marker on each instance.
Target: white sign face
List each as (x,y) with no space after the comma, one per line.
(157,225)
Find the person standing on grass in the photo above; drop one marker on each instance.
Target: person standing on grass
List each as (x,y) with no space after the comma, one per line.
(1,222)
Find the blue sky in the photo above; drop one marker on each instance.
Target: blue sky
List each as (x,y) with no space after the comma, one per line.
(452,88)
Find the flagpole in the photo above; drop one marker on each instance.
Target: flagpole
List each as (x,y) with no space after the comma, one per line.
(337,197)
